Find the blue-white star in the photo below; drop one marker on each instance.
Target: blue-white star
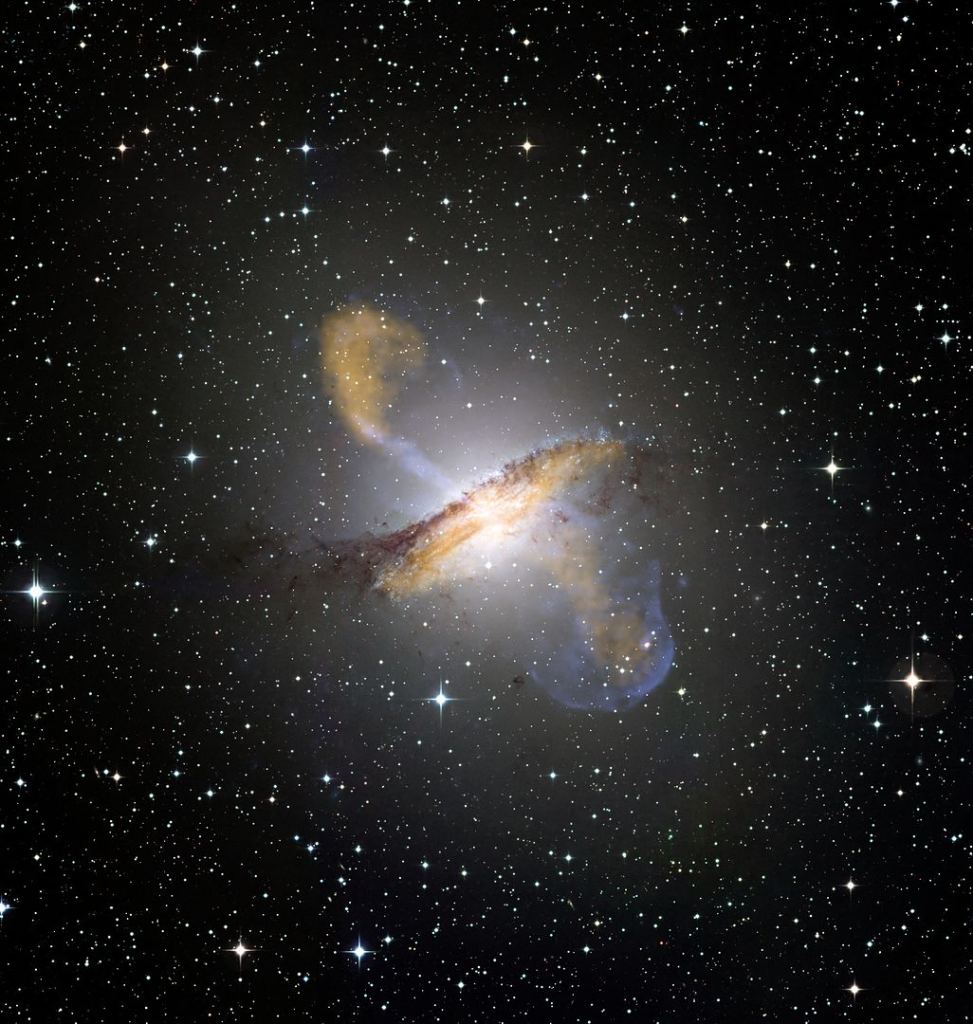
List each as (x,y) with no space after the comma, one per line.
(359,952)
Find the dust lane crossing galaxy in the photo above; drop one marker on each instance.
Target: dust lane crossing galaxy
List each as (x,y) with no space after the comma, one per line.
(545,507)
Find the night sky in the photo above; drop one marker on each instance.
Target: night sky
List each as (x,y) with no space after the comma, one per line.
(486,528)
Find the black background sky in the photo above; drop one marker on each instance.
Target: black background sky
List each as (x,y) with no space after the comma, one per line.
(741,238)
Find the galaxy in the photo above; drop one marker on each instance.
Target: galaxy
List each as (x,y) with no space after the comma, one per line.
(486,533)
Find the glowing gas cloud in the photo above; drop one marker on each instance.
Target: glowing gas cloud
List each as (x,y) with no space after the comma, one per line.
(365,353)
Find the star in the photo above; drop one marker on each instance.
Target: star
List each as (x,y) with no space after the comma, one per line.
(191,457)
(150,542)
(4,907)
(946,338)
(122,148)
(197,51)
(440,699)
(912,680)
(833,468)
(385,151)
(241,951)
(36,592)
(480,301)
(306,148)
(854,989)
(527,146)
(851,886)
(359,952)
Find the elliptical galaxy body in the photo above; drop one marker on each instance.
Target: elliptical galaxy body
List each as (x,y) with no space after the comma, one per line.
(486,534)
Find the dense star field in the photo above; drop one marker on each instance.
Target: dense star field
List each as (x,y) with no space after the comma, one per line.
(486,524)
